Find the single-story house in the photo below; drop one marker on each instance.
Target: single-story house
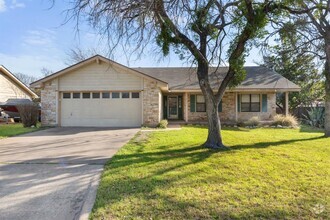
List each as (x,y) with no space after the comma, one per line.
(100,92)
(13,88)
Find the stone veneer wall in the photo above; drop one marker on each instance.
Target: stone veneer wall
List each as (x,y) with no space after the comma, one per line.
(271,110)
(151,103)
(48,104)
(228,109)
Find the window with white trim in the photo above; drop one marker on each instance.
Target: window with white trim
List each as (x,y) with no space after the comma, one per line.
(135,95)
(105,95)
(96,95)
(66,95)
(86,95)
(125,95)
(115,95)
(76,95)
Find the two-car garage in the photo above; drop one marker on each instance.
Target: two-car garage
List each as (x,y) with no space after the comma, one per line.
(99,92)
(94,93)
(101,109)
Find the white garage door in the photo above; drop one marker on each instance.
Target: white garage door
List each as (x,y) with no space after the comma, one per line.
(101,109)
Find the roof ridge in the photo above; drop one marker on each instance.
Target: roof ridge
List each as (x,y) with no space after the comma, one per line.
(187,67)
(14,78)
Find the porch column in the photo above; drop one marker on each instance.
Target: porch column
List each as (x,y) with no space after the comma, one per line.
(286,103)
(185,104)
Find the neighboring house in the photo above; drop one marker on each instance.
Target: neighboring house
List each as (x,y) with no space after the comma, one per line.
(101,92)
(13,88)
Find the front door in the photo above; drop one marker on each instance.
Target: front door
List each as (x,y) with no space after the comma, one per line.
(173,107)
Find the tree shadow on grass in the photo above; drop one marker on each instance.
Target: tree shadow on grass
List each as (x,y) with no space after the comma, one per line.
(309,129)
(146,185)
(272,144)
(223,128)
(194,154)
(151,194)
(236,129)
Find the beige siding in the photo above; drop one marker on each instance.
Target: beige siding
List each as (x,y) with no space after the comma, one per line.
(100,77)
(10,90)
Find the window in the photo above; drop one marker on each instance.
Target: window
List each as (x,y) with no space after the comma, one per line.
(66,95)
(105,95)
(96,95)
(250,103)
(125,95)
(86,95)
(76,95)
(200,103)
(115,95)
(135,95)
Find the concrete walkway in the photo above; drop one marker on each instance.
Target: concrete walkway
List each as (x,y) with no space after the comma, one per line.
(54,173)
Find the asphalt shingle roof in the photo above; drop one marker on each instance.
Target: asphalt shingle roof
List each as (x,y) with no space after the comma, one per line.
(185,78)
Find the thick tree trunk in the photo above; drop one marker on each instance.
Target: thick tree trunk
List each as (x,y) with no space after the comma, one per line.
(214,139)
(327,99)
(327,110)
(327,86)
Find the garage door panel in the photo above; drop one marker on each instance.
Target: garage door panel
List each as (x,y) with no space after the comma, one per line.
(101,112)
(107,122)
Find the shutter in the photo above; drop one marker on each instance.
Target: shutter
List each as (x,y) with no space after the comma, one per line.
(264,102)
(238,102)
(220,106)
(192,103)
(165,107)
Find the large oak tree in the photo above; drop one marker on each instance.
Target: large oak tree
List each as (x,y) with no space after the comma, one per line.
(288,57)
(204,32)
(311,19)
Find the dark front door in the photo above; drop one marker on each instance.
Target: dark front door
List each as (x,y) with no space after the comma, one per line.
(173,107)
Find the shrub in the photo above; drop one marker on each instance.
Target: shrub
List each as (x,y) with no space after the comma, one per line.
(315,117)
(278,120)
(29,114)
(240,123)
(254,121)
(287,121)
(162,124)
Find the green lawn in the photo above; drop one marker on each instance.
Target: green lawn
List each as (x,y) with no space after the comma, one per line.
(267,174)
(8,130)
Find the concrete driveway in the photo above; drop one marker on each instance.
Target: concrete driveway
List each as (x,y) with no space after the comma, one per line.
(54,173)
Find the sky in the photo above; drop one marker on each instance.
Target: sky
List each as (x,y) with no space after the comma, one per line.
(34,34)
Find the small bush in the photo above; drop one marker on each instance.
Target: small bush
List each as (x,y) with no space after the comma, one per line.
(162,124)
(29,114)
(254,121)
(278,120)
(286,121)
(240,123)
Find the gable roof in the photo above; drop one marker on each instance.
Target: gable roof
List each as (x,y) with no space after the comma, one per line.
(96,58)
(17,82)
(257,78)
(185,78)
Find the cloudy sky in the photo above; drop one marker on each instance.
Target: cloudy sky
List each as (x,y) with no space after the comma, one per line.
(34,35)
